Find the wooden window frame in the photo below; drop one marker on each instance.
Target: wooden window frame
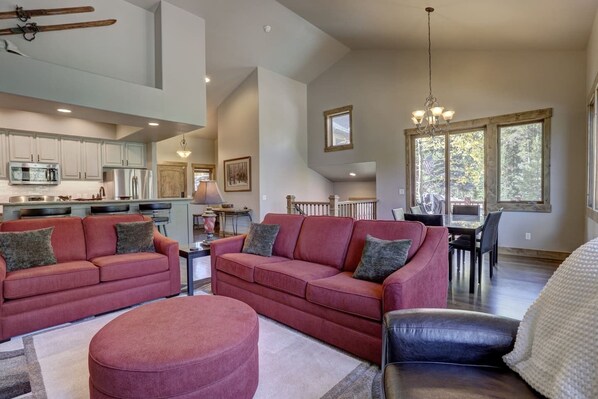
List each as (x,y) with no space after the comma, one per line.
(328,116)
(490,125)
(592,152)
(210,167)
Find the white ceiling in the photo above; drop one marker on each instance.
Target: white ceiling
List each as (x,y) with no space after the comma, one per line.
(456,24)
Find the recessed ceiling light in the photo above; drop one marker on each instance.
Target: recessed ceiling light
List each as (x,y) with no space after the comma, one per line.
(64,110)
(267,28)
(208,79)
(352,174)
(153,124)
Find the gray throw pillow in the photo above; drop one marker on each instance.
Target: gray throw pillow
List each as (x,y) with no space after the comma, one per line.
(380,258)
(25,249)
(260,239)
(135,237)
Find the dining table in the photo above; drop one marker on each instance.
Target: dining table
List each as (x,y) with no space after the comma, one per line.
(471,226)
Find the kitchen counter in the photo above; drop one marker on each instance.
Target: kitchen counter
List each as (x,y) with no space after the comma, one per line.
(180,227)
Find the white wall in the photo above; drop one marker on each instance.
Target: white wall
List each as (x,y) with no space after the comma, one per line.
(117,51)
(117,93)
(283,145)
(385,87)
(359,189)
(55,124)
(591,74)
(238,136)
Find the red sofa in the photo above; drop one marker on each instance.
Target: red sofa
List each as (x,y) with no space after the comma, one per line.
(88,279)
(308,284)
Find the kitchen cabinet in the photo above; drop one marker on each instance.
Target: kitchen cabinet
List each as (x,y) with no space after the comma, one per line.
(81,159)
(31,148)
(124,154)
(3,156)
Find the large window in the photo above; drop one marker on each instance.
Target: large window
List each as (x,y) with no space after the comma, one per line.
(499,163)
(520,163)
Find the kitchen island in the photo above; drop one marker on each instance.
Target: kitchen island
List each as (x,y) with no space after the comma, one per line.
(180,227)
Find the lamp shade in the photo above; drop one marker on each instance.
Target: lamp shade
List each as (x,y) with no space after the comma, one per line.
(207,193)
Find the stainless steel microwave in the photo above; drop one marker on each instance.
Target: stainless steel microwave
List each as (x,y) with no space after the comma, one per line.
(34,173)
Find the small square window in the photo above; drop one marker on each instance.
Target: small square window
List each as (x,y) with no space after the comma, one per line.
(339,128)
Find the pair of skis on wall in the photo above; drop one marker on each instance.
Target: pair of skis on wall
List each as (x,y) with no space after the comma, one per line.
(30,29)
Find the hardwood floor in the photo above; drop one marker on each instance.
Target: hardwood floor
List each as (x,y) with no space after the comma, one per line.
(515,285)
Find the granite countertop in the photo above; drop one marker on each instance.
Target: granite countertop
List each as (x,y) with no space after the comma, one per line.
(93,202)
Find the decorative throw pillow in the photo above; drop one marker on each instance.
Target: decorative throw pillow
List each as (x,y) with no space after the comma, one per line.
(380,258)
(260,239)
(135,237)
(25,249)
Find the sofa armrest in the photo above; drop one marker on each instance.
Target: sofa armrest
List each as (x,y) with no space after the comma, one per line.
(220,247)
(444,335)
(170,248)
(423,281)
(2,278)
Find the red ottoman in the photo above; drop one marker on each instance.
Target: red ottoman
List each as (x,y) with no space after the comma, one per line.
(191,347)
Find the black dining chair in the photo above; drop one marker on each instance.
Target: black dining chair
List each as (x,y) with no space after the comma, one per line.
(428,220)
(486,244)
(159,212)
(466,210)
(398,214)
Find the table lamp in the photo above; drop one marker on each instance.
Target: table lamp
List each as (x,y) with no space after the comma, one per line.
(208,194)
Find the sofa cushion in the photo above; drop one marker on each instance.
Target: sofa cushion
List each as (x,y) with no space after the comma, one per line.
(25,249)
(291,276)
(343,292)
(290,226)
(381,258)
(53,278)
(100,233)
(260,239)
(242,265)
(135,237)
(68,241)
(324,240)
(385,230)
(120,267)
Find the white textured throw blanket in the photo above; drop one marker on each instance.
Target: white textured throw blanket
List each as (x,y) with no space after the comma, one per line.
(556,350)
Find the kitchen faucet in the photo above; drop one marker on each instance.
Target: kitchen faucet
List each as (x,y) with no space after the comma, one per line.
(102,193)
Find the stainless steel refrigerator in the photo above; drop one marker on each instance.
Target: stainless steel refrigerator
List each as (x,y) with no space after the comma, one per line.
(128,183)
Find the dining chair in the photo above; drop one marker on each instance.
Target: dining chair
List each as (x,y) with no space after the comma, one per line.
(486,244)
(416,210)
(44,212)
(107,209)
(428,220)
(398,214)
(466,210)
(159,212)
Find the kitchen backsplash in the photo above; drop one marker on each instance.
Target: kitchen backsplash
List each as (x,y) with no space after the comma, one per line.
(76,189)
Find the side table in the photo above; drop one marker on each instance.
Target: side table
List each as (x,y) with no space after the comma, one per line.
(190,252)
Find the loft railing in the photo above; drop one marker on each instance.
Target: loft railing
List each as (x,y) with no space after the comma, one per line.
(357,209)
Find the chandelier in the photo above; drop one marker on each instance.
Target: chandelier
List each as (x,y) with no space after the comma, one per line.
(428,121)
(183,152)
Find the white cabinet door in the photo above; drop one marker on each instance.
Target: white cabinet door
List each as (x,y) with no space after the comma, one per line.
(20,147)
(47,149)
(135,155)
(71,159)
(92,160)
(114,154)
(3,156)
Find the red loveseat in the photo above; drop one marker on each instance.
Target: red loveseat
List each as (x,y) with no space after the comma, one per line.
(89,277)
(308,284)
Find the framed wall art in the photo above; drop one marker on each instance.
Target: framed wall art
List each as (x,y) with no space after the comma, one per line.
(237,174)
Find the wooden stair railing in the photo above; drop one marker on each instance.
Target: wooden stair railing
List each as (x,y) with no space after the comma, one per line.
(357,209)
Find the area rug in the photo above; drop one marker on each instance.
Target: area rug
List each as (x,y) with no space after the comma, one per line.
(53,364)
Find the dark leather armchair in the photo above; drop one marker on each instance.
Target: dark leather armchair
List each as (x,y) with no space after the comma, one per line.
(440,353)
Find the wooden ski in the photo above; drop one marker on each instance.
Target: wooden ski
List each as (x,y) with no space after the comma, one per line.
(25,15)
(29,30)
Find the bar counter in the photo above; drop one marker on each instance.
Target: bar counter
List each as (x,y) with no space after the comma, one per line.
(180,227)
